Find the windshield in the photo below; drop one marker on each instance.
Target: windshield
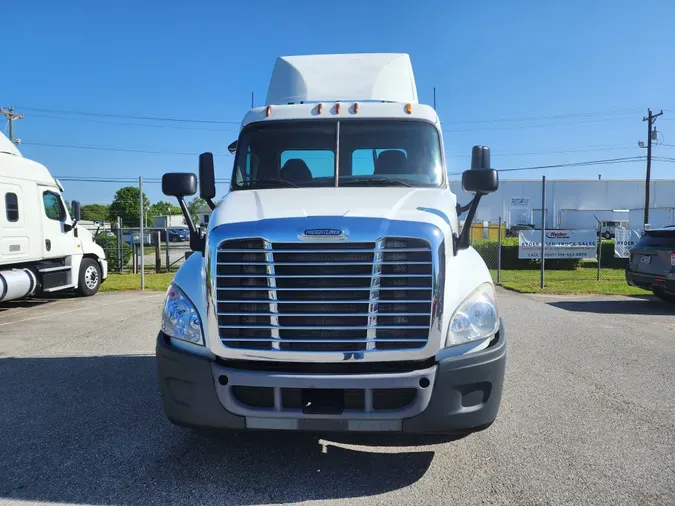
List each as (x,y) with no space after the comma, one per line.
(303,154)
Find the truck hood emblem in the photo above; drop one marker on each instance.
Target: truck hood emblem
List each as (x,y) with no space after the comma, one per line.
(324,233)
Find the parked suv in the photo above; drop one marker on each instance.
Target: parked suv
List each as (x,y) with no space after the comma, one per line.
(652,263)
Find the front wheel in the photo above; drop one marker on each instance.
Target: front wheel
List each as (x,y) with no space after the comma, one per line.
(90,278)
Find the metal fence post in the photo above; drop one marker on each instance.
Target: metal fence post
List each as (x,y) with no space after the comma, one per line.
(599,254)
(134,254)
(166,245)
(499,252)
(142,241)
(543,229)
(158,254)
(120,256)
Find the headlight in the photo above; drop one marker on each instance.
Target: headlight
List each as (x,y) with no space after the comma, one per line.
(475,318)
(180,318)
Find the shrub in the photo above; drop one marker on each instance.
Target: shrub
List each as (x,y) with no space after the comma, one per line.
(608,259)
(109,245)
(488,250)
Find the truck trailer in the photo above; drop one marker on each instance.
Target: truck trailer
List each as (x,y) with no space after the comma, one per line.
(333,289)
(42,248)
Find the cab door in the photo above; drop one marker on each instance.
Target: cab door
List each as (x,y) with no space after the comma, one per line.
(57,234)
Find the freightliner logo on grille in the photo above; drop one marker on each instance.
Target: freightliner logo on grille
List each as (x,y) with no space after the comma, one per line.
(333,233)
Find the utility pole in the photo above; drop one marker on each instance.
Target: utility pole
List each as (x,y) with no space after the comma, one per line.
(11,116)
(650,118)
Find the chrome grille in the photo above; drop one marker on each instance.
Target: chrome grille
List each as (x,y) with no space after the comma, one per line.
(347,297)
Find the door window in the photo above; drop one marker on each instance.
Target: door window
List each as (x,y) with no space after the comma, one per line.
(53,206)
(12,207)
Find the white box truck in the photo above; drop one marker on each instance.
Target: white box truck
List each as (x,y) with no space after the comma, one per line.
(42,249)
(333,289)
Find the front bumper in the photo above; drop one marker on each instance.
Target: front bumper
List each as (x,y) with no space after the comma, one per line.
(650,281)
(103,263)
(453,395)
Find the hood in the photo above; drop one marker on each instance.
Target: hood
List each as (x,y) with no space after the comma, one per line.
(431,205)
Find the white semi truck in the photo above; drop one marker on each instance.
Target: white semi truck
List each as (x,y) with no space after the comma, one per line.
(333,289)
(42,249)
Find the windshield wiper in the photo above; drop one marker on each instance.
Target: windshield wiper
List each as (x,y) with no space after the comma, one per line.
(266,181)
(377,181)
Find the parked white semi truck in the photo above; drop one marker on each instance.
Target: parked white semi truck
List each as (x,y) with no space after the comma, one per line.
(42,249)
(333,289)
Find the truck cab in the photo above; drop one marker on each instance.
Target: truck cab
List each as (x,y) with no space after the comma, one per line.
(334,289)
(42,248)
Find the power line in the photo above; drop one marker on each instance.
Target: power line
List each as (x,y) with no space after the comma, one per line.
(126,180)
(511,127)
(144,125)
(128,116)
(106,148)
(619,148)
(609,161)
(540,118)
(456,122)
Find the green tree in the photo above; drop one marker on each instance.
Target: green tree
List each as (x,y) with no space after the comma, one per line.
(95,212)
(162,208)
(126,205)
(194,206)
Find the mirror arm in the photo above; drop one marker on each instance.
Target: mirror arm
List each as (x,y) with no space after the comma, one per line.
(464,237)
(462,209)
(210,203)
(197,242)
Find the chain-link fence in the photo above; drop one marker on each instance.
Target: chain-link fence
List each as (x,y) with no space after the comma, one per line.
(162,249)
(513,262)
(573,259)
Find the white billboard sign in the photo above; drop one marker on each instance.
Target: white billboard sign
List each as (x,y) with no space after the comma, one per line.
(624,240)
(559,244)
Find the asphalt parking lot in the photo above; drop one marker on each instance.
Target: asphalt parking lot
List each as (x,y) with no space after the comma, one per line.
(587,417)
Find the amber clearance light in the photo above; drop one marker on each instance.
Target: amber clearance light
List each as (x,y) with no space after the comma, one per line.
(408,108)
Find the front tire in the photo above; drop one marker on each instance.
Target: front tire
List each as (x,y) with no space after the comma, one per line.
(89,280)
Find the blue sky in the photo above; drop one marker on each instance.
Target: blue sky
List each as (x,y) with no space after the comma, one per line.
(604,62)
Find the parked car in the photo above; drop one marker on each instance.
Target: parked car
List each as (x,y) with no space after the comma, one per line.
(652,263)
(175,234)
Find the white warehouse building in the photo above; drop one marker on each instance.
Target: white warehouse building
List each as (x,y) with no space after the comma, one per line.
(575,204)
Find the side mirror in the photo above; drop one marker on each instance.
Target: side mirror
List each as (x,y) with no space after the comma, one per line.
(179,184)
(482,181)
(207,178)
(232,148)
(75,210)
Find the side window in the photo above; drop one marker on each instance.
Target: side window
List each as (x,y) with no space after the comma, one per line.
(53,207)
(12,207)
(320,162)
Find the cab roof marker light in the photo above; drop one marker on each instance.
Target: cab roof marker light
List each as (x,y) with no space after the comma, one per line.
(319,108)
(408,108)
(337,108)
(268,111)
(356,108)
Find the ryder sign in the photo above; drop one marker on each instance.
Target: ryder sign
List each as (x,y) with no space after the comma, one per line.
(559,244)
